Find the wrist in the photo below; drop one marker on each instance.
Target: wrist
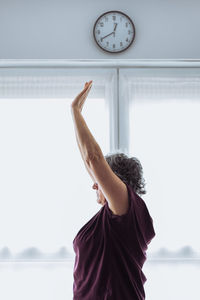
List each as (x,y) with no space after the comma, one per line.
(74,109)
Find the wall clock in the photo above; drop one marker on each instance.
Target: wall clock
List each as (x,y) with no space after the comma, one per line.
(114,31)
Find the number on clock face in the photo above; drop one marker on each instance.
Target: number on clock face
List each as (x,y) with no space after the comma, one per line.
(114,31)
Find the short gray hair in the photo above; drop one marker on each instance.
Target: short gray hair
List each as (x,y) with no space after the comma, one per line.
(129,170)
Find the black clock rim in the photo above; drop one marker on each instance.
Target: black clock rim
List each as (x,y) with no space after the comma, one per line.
(114,11)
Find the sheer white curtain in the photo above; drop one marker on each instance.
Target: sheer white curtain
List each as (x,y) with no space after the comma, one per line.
(46,193)
(164,107)
(153,114)
(51,82)
(163,123)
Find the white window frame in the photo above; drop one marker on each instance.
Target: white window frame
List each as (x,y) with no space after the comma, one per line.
(117,98)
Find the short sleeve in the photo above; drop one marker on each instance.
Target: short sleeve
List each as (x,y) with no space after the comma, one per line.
(137,216)
(143,220)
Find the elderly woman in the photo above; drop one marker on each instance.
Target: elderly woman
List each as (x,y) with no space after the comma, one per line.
(111,247)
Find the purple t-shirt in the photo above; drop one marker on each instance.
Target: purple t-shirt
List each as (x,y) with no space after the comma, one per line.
(110,252)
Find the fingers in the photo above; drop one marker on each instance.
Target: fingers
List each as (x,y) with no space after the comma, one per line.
(88,86)
(88,83)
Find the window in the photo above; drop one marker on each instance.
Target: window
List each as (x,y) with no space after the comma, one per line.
(163,120)
(46,194)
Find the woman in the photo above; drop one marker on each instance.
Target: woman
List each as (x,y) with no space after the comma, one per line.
(111,247)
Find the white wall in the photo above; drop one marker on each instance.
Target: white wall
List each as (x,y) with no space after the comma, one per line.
(64,29)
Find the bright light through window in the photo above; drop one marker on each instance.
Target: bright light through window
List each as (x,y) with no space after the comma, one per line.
(46,193)
(164,136)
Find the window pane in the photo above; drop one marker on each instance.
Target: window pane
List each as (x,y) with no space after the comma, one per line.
(172,280)
(164,111)
(42,281)
(46,193)
(164,124)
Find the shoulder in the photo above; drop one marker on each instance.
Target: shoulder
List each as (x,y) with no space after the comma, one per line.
(113,188)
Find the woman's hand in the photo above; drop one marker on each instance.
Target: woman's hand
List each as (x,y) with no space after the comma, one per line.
(80,99)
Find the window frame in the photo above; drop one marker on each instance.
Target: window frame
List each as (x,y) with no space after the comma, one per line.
(117,93)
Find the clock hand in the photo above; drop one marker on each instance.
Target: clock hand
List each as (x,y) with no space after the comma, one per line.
(115,29)
(106,36)
(115,26)
(109,33)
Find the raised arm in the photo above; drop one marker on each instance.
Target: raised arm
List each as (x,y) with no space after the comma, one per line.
(84,138)
(90,173)
(113,188)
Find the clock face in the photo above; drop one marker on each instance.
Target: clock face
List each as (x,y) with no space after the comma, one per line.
(114,31)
